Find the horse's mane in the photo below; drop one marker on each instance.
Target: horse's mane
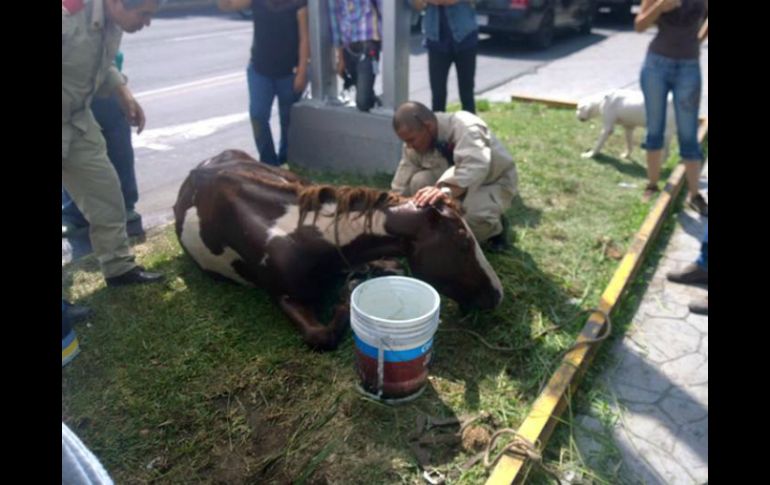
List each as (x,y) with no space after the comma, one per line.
(362,200)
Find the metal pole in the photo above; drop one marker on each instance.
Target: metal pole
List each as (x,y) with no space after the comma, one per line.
(396,16)
(322,77)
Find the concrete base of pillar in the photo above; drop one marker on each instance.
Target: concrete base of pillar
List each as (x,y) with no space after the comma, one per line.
(342,139)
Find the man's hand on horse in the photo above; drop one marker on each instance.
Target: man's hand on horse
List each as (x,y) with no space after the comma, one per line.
(432,194)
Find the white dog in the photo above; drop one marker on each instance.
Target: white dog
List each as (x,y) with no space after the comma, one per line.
(621,107)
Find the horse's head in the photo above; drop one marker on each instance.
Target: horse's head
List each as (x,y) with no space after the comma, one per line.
(444,252)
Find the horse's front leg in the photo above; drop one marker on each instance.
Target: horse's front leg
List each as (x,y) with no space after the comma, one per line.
(316,335)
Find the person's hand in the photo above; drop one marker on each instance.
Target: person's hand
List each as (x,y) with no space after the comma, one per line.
(429,195)
(669,5)
(131,108)
(300,81)
(340,63)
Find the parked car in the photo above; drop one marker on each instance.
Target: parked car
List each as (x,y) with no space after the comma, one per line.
(538,20)
(619,8)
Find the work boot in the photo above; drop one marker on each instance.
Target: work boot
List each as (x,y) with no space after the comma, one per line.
(692,274)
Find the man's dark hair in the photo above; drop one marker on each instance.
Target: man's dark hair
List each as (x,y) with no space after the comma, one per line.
(413,116)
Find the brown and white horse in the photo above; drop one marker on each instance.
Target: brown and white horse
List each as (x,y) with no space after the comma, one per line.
(266,227)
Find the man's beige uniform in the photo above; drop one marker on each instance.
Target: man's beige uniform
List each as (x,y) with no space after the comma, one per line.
(482,166)
(88,49)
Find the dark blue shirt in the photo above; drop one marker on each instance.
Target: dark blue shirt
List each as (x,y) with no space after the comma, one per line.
(446,43)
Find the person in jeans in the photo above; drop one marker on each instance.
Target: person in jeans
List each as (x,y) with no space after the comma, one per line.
(356,28)
(117,135)
(696,273)
(451,37)
(672,65)
(280,53)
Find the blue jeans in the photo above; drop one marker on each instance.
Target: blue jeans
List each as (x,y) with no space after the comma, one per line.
(117,135)
(703,259)
(361,63)
(661,75)
(262,90)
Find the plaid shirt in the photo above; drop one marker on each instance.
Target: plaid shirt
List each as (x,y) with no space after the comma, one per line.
(354,21)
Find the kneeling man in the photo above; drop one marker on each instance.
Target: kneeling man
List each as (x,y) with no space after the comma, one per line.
(455,156)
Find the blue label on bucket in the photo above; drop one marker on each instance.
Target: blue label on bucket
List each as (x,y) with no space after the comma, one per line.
(394,355)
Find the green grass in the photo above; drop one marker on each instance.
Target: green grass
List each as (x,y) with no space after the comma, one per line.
(201,381)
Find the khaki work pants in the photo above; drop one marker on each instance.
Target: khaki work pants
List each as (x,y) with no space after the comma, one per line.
(93,184)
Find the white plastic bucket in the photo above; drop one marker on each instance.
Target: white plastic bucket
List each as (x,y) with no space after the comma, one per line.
(394,319)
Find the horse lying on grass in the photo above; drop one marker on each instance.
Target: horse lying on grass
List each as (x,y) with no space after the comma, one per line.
(266,227)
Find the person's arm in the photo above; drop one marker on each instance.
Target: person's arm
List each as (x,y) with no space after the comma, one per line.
(472,158)
(131,107)
(651,10)
(233,5)
(404,173)
(704,31)
(300,78)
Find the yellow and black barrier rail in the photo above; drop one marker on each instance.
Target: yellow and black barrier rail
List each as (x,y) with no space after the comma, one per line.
(545,412)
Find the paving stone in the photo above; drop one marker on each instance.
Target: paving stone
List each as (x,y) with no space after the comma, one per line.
(704,346)
(635,371)
(688,370)
(667,338)
(683,408)
(586,435)
(699,322)
(691,449)
(663,308)
(629,393)
(649,424)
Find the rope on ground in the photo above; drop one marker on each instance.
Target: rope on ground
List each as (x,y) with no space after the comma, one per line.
(519,446)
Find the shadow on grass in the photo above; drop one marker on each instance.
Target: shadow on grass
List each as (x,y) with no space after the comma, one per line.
(627,167)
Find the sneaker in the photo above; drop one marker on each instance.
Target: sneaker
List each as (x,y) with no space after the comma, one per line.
(70,348)
(699,205)
(692,274)
(701,307)
(650,191)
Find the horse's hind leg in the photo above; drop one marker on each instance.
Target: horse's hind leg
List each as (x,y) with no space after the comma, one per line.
(316,335)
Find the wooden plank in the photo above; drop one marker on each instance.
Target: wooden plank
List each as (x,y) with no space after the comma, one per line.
(543,416)
(556,103)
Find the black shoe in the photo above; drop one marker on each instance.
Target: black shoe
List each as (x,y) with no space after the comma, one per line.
(76,313)
(135,276)
(701,307)
(690,275)
(501,242)
(699,205)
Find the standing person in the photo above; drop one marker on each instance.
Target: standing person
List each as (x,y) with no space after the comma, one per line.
(280,53)
(117,135)
(672,65)
(91,33)
(455,156)
(451,36)
(696,273)
(356,28)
